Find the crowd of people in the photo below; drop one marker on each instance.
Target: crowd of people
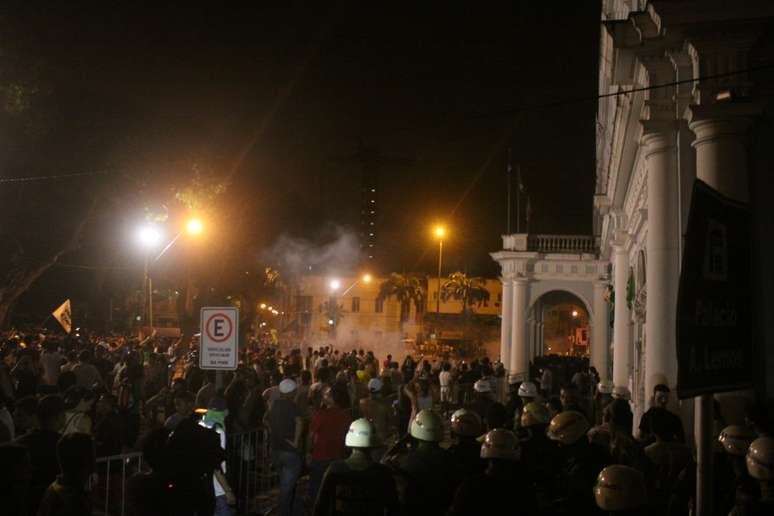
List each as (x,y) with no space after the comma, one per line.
(419,436)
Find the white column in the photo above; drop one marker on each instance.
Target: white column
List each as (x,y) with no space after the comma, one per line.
(663,260)
(506,322)
(721,155)
(622,337)
(599,331)
(519,345)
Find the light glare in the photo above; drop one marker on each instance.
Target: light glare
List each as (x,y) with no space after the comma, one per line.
(149,236)
(194,226)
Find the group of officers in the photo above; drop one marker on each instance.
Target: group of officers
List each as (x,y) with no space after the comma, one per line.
(546,466)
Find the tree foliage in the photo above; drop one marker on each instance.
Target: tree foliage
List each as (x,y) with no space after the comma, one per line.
(407,289)
(470,290)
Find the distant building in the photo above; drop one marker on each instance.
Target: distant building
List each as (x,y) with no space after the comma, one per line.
(362,320)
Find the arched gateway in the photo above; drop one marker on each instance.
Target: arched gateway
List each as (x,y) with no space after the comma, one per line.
(536,265)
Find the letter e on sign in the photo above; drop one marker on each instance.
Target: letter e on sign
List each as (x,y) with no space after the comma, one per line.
(219,343)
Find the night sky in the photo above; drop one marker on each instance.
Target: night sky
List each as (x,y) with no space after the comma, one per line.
(279,99)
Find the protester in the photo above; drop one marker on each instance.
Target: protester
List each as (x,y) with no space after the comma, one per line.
(67,495)
(287,427)
(327,433)
(670,423)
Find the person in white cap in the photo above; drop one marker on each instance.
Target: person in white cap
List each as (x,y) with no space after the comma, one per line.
(482,398)
(286,425)
(377,411)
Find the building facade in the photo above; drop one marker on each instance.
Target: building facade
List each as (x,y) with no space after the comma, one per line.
(685,95)
(363,320)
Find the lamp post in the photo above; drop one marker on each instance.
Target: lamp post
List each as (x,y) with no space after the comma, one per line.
(150,237)
(439,233)
(334,286)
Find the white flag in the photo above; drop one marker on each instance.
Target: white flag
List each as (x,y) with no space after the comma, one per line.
(64,316)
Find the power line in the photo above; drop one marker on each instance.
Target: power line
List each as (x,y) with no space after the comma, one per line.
(578,100)
(45,178)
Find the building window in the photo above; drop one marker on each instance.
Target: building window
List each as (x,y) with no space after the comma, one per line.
(355,304)
(304,303)
(379,305)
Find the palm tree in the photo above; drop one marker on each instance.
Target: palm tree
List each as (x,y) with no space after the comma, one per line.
(333,313)
(407,289)
(469,290)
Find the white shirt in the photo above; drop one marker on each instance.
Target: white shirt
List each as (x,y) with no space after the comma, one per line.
(444,378)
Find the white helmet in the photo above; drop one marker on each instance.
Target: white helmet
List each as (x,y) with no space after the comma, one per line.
(361,434)
(482,386)
(605,387)
(427,426)
(287,386)
(374,385)
(527,390)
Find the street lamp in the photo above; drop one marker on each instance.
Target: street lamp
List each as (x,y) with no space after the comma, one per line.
(335,284)
(365,278)
(194,226)
(439,232)
(150,237)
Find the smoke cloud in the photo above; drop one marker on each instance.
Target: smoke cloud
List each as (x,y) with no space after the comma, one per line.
(298,256)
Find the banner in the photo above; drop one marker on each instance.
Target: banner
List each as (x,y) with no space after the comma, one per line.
(714,302)
(64,316)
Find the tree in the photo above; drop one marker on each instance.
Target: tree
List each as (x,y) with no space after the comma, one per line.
(333,312)
(408,289)
(469,290)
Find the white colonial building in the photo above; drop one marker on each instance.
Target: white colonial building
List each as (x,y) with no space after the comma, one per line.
(685,96)
(685,93)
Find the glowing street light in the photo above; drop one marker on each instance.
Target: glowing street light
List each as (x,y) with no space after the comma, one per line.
(575,313)
(149,236)
(263,306)
(366,278)
(335,284)
(439,231)
(194,226)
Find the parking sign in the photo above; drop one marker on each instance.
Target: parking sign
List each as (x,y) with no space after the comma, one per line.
(219,342)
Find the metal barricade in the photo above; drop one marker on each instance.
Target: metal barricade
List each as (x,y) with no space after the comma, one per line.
(250,471)
(108,486)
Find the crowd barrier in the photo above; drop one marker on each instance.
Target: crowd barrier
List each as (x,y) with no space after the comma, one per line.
(248,469)
(108,485)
